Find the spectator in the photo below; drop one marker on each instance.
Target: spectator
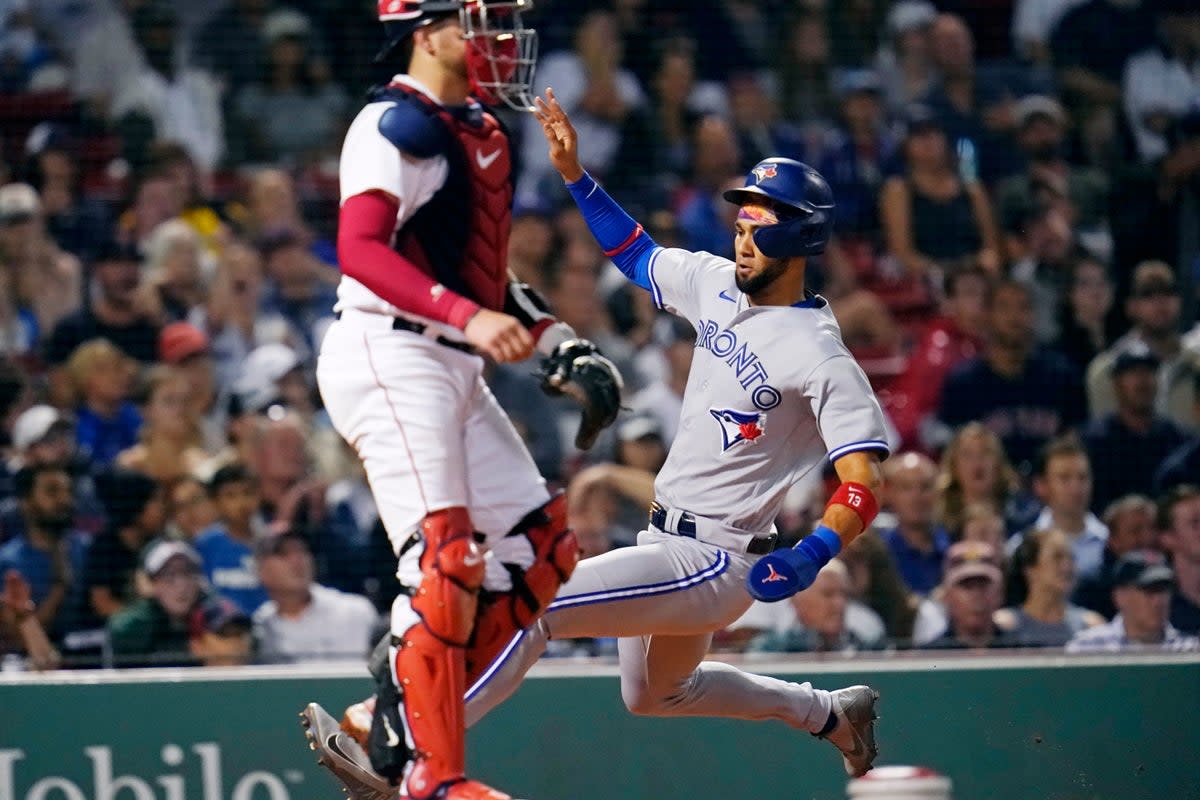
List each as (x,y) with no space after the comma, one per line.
(975,104)
(1183,465)
(164,98)
(187,349)
(230,44)
(982,523)
(74,219)
(876,583)
(232,318)
(48,554)
(174,270)
(1161,82)
(1020,392)
(26,62)
(1154,308)
(615,495)
(917,544)
(1090,75)
(906,61)
(1126,446)
(931,218)
(703,212)
(857,156)
(135,516)
(532,413)
(1063,482)
(803,64)
(116,312)
(219,633)
(18,617)
(1142,584)
(296,111)
(663,398)
(598,93)
(106,55)
(155,631)
(533,243)
(757,119)
(44,280)
(1180,523)
(157,198)
(107,422)
(169,439)
(303,620)
(226,549)
(1033,22)
(1130,522)
(171,164)
(190,510)
(1042,574)
(273,204)
(974,471)
(299,286)
(822,623)
(1041,130)
(972,590)
(1086,323)
(952,338)
(1047,247)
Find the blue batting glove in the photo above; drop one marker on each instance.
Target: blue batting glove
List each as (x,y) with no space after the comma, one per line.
(779,575)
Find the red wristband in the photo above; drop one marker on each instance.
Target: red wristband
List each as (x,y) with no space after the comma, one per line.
(859,499)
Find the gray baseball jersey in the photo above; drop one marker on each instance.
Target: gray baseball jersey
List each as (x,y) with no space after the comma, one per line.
(772,392)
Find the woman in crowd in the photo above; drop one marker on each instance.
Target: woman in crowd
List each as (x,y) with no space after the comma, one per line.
(974,470)
(876,582)
(1085,320)
(169,446)
(931,216)
(1040,581)
(175,267)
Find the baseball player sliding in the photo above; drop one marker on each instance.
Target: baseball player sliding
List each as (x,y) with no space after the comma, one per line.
(426,190)
(772,393)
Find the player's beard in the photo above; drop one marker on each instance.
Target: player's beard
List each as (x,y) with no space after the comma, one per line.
(756,283)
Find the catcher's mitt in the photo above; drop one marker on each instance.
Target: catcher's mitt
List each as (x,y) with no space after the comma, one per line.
(577,369)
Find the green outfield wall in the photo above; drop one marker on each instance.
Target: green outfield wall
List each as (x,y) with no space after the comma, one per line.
(1038,728)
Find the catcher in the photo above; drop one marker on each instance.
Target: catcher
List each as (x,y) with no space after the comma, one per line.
(425,295)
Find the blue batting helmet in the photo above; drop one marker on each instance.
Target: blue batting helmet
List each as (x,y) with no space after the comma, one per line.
(803,200)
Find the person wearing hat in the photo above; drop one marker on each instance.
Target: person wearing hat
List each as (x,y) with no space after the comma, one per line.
(1041,130)
(1154,306)
(1142,583)
(931,218)
(303,620)
(905,61)
(136,515)
(156,630)
(43,435)
(295,111)
(219,633)
(116,312)
(972,591)
(1128,445)
(47,281)
(860,152)
(188,349)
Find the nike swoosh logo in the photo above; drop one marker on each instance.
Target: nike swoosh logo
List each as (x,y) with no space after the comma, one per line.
(392,739)
(724,296)
(486,161)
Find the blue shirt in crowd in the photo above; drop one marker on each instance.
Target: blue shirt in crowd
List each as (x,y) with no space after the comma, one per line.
(230,568)
(35,565)
(100,439)
(921,570)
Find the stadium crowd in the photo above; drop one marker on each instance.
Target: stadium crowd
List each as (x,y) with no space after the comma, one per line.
(1016,267)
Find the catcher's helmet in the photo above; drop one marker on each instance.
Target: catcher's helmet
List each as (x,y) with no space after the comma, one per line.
(802,199)
(501,51)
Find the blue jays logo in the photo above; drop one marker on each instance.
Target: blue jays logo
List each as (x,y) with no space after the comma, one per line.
(739,426)
(761,173)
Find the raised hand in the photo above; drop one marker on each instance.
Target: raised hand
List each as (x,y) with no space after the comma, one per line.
(560,135)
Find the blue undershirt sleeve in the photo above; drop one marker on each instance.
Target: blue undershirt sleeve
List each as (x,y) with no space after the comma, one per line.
(617,233)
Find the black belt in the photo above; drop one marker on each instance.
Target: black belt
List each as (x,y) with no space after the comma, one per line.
(402,324)
(759,545)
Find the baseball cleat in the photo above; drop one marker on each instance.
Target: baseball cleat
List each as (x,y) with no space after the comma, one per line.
(341,755)
(854,734)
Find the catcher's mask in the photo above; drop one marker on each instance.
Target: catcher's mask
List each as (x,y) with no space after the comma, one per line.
(501,51)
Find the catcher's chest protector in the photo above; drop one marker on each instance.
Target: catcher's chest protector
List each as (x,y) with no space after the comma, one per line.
(460,237)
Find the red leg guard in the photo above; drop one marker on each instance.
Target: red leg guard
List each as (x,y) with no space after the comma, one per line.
(503,614)
(430,660)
